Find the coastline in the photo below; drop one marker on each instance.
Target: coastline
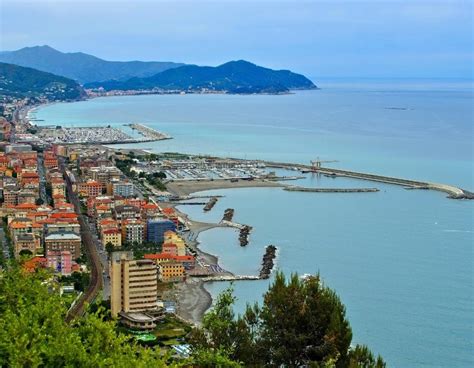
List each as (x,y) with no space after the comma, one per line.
(193,300)
(187,187)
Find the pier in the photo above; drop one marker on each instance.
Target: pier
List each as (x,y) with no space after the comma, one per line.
(233,224)
(452,191)
(230,278)
(148,132)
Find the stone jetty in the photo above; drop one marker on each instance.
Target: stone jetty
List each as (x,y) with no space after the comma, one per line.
(244,235)
(267,262)
(210,204)
(228,215)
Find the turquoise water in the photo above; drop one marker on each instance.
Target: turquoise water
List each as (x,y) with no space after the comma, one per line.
(402,261)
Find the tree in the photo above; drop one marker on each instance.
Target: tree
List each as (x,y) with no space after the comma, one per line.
(33,331)
(39,201)
(109,247)
(301,323)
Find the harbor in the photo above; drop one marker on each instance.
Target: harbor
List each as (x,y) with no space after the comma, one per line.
(97,135)
(452,191)
(149,133)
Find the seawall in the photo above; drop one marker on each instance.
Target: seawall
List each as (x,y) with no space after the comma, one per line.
(452,191)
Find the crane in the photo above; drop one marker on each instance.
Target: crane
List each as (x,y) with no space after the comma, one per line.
(316,164)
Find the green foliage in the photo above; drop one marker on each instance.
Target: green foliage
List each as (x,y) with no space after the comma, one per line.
(362,357)
(301,323)
(109,247)
(33,332)
(80,280)
(153,179)
(17,81)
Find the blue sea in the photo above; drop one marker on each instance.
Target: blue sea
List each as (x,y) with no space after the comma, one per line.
(401,260)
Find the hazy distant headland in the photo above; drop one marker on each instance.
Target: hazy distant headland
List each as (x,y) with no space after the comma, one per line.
(100,75)
(17,82)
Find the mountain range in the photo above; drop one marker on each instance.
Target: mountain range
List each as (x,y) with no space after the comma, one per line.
(20,82)
(233,77)
(82,67)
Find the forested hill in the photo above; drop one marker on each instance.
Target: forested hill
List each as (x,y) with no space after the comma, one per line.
(80,66)
(21,82)
(232,77)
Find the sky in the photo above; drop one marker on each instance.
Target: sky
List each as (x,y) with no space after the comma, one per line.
(332,38)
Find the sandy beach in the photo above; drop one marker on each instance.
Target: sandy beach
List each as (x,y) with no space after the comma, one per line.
(183,188)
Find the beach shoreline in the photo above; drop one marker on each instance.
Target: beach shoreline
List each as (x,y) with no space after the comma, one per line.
(193,300)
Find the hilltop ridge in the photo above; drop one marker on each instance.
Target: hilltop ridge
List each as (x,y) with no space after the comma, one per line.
(80,66)
(233,77)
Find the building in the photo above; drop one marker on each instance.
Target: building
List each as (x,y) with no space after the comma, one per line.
(171,271)
(139,321)
(10,197)
(133,284)
(187,261)
(58,186)
(59,242)
(5,129)
(29,178)
(17,148)
(104,174)
(60,262)
(90,188)
(126,212)
(123,189)
(27,242)
(173,244)
(50,160)
(112,236)
(132,231)
(26,197)
(156,229)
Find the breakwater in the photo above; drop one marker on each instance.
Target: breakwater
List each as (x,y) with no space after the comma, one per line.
(228,214)
(331,190)
(267,262)
(148,132)
(452,191)
(244,235)
(210,204)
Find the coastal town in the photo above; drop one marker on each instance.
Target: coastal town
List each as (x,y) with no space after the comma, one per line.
(104,223)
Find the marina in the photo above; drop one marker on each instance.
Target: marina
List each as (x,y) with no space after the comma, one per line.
(97,135)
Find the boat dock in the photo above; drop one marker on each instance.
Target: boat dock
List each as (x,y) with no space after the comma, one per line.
(452,191)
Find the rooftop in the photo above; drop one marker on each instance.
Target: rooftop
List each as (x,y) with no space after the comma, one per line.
(62,236)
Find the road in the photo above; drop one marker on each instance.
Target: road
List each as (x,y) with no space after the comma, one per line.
(104,260)
(42,188)
(92,255)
